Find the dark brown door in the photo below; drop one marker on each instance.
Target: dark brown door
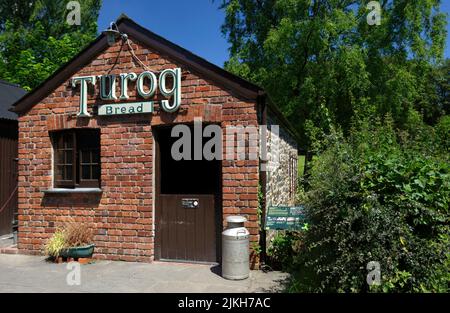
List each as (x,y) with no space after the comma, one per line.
(187,228)
(188,216)
(8,176)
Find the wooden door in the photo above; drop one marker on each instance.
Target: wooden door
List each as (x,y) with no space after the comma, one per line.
(8,177)
(187,228)
(184,231)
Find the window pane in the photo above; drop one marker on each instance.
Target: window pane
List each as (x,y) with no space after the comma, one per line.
(95,172)
(88,145)
(85,156)
(64,159)
(86,172)
(96,156)
(59,172)
(68,172)
(59,157)
(68,141)
(88,140)
(69,157)
(57,140)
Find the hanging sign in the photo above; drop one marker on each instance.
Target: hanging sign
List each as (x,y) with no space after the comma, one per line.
(146,85)
(285,218)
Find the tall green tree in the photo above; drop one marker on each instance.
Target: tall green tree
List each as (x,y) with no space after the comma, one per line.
(36,39)
(323,64)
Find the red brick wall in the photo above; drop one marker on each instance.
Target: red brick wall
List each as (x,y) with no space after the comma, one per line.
(122,214)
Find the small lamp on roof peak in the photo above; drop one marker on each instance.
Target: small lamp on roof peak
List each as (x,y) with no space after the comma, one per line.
(112,34)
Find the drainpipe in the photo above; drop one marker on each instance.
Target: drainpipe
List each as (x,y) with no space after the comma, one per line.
(263,183)
(15,222)
(15,229)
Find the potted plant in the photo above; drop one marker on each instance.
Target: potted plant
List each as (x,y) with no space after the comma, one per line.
(73,240)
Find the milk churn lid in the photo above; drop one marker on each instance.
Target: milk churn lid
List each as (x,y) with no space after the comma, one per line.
(236,219)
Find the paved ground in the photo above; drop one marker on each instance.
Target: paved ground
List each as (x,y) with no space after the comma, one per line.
(19,273)
(6,241)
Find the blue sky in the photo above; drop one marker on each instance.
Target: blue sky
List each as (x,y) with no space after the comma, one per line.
(445,7)
(192,24)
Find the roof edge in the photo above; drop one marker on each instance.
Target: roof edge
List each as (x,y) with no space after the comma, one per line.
(211,71)
(282,119)
(4,82)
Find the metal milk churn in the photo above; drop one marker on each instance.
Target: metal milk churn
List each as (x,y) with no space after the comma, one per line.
(235,249)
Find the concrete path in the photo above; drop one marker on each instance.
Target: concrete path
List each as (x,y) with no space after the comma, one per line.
(6,241)
(20,273)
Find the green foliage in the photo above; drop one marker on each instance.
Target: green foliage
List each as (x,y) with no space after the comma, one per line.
(256,247)
(375,194)
(324,65)
(71,234)
(283,248)
(301,165)
(35,39)
(376,191)
(379,195)
(56,243)
(260,204)
(443,132)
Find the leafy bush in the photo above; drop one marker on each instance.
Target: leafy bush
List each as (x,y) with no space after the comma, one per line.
(56,244)
(282,249)
(72,234)
(379,195)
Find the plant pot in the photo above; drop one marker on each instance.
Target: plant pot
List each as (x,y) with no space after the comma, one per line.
(78,252)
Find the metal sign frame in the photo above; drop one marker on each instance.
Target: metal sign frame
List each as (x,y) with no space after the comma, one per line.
(285,218)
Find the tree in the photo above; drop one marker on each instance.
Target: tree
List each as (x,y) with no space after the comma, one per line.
(380,195)
(442,81)
(323,64)
(35,38)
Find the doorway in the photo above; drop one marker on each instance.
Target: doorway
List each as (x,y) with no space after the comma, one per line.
(188,204)
(8,177)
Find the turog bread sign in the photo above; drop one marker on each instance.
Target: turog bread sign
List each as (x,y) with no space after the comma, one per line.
(146,84)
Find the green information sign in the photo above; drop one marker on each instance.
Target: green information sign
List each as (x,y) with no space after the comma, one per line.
(285,218)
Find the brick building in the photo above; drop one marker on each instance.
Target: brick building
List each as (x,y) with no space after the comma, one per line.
(96,144)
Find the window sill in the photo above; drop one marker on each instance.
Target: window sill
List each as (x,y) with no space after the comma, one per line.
(74,190)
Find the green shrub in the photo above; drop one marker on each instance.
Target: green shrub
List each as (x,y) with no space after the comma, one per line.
(71,234)
(443,132)
(56,243)
(282,249)
(378,195)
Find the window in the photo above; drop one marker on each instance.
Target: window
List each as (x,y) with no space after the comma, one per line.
(292,174)
(77,158)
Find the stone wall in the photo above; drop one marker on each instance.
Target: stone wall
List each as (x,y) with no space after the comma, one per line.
(282,169)
(282,165)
